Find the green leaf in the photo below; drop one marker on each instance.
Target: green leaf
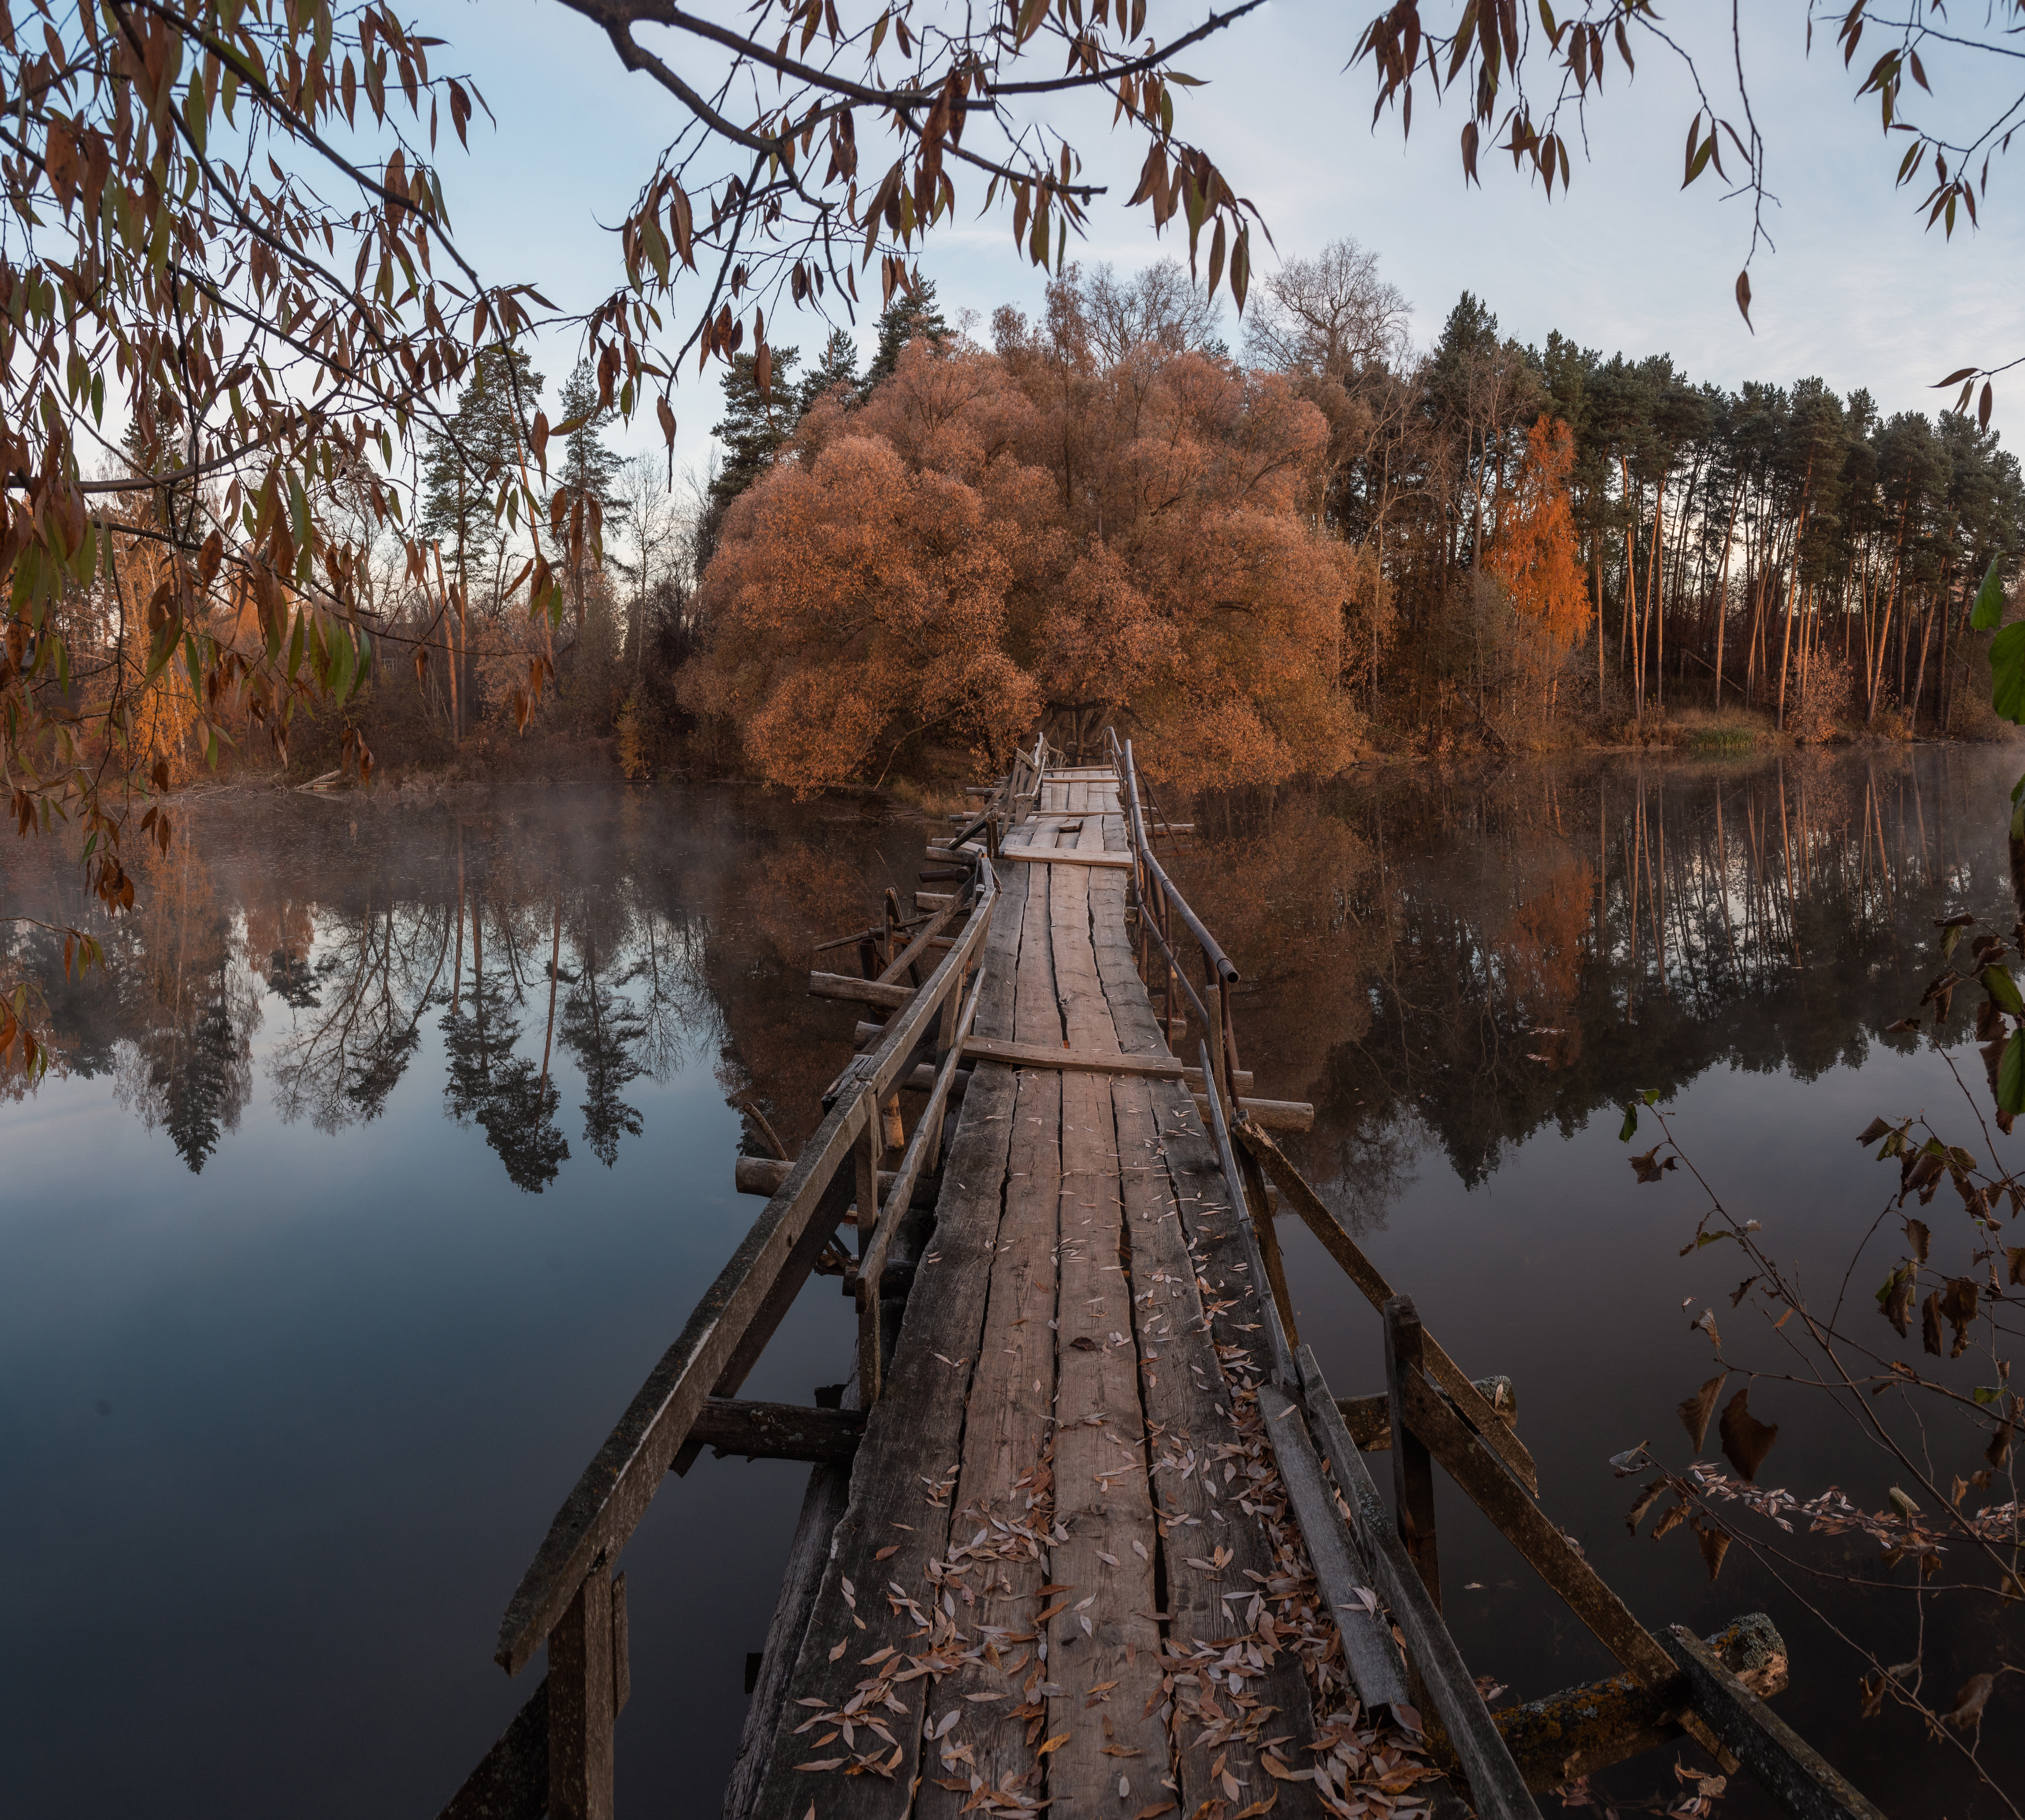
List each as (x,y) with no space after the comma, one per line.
(1651,1096)
(1988,614)
(2010,1076)
(2007,673)
(2003,991)
(1630,1129)
(1986,1394)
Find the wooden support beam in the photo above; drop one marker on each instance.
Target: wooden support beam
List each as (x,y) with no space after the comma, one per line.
(1793,1773)
(778,1431)
(581,1703)
(1566,1736)
(933,900)
(1074,1061)
(1494,1491)
(861,991)
(1322,1221)
(1496,1787)
(1412,1471)
(512,1780)
(1340,1568)
(823,1506)
(1270,1115)
(1369,1418)
(1240,1082)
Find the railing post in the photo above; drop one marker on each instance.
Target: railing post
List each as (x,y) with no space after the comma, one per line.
(1261,1210)
(868,1153)
(1413,1470)
(585,1680)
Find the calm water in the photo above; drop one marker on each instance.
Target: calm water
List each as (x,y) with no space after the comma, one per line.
(343,1228)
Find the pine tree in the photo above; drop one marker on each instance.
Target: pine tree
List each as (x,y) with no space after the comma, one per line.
(462,465)
(752,429)
(910,316)
(837,366)
(586,478)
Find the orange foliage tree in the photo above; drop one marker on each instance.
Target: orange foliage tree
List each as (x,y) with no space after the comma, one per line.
(1534,551)
(1042,533)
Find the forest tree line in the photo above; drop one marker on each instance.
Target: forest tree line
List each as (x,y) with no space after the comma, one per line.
(1257,564)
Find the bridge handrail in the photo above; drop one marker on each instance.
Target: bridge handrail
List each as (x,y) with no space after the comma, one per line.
(612,1494)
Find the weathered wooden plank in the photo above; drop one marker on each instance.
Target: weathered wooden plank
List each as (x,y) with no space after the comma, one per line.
(1271,1114)
(1496,1786)
(512,1780)
(580,1704)
(1369,1418)
(900,1480)
(822,1505)
(1794,1773)
(1059,856)
(980,1741)
(1188,1411)
(764,1175)
(1562,1737)
(1104,1643)
(1321,1219)
(860,991)
(778,1431)
(1333,1550)
(1070,1060)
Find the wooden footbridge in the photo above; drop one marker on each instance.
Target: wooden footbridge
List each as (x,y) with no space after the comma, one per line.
(1087,1531)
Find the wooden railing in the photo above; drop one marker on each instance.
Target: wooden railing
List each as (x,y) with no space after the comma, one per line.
(557,1757)
(1160,906)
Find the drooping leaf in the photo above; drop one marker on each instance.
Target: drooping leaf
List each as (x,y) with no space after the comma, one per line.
(1917,1236)
(2007,673)
(1895,1300)
(1930,1323)
(1713,1542)
(1746,1440)
(1987,615)
(1958,1305)
(1696,1410)
(2010,1076)
(1969,1703)
(1643,1502)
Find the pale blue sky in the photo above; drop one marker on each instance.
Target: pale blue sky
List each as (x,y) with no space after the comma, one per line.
(1856,291)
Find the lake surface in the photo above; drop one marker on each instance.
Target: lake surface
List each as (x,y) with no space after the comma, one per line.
(344,1228)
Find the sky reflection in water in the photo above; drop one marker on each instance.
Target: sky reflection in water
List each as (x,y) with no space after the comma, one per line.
(352,1226)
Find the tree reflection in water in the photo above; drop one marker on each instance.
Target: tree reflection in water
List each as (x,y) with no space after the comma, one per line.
(379,938)
(1440,961)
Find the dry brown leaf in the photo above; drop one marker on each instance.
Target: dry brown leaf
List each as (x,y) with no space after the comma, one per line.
(1746,1440)
(1053,1744)
(1715,1545)
(1643,1502)
(1970,1702)
(1696,1409)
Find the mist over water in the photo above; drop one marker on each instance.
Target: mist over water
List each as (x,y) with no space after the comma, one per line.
(394,1143)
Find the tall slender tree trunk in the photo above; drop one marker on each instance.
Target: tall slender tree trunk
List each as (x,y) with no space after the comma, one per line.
(1722,591)
(555,972)
(1655,594)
